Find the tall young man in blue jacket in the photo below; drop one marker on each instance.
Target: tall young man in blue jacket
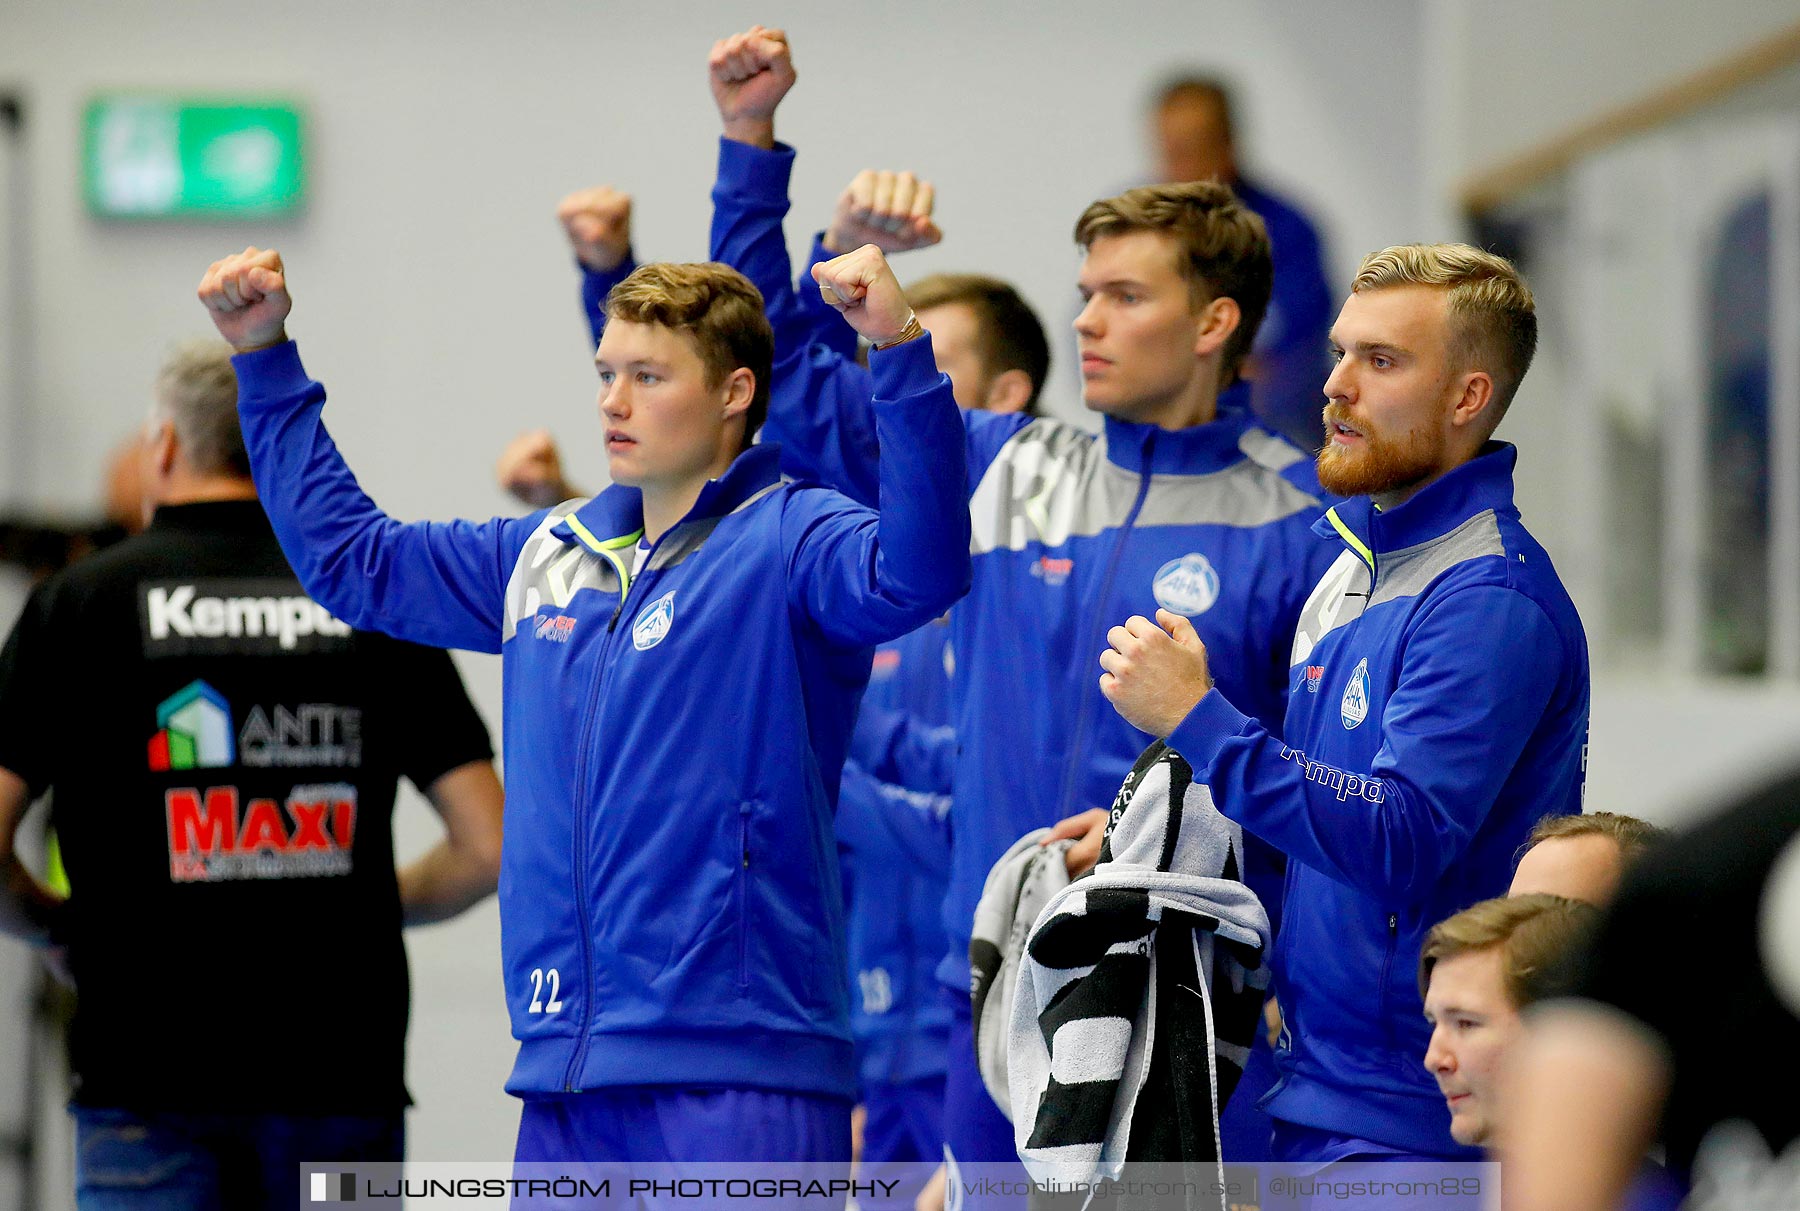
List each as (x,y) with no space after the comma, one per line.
(1183,501)
(892,822)
(682,656)
(1438,705)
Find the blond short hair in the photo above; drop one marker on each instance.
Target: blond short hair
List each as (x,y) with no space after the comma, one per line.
(1493,317)
(718,308)
(1535,934)
(1224,248)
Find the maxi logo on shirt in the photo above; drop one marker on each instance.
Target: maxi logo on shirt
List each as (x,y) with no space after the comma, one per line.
(213,835)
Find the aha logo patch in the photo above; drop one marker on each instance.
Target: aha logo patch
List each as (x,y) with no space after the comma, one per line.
(1355,706)
(1186,586)
(652,626)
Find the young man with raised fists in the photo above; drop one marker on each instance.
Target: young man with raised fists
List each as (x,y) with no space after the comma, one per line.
(682,654)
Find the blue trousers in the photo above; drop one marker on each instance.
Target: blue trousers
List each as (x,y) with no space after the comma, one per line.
(903,1137)
(978,1138)
(125,1161)
(637,1127)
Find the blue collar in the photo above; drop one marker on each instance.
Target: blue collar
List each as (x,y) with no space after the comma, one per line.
(1192,451)
(1484,482)
(614,519)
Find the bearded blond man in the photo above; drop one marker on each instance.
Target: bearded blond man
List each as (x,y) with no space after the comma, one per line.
(1437,706)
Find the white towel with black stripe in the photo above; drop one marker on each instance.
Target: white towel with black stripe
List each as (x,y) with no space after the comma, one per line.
(1018,886)
(1141,989)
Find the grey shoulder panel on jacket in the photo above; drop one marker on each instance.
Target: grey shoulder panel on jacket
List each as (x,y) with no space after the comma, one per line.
(1052,481)
(1270,449)
(550,570)
(1408,572)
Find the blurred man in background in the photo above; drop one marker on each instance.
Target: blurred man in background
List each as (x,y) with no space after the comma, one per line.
(223,755)
(1194,132)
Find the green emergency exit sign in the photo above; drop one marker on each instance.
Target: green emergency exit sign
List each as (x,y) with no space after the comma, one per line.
(149,156)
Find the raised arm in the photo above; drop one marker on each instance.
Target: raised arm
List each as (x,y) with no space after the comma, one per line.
(598,224)
(891,210)
(819,398)
(437,583)
(863,578)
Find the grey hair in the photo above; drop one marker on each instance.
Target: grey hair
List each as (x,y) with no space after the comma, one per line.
(196,390)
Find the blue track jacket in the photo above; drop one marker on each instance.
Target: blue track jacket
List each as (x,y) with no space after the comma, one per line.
(670,903)
(1073,533)
(1438,708)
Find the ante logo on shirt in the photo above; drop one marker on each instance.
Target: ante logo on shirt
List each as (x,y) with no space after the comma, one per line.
(193,730)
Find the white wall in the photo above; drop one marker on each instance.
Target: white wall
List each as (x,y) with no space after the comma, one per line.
(433,292)
(1511,74)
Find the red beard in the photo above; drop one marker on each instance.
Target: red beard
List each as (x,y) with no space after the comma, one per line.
(1381,464)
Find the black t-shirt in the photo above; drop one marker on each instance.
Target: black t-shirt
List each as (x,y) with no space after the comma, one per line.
(1683,952)
(222,756)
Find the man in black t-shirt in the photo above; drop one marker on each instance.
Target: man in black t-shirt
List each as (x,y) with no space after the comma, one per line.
(222,757)
(1684,1028)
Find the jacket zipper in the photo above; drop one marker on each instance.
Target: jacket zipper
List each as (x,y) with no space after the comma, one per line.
(743,897)
(1381,996)
(602,676)
(1097,632)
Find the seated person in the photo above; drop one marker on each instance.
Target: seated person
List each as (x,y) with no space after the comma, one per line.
(1582,857)
(1478,972)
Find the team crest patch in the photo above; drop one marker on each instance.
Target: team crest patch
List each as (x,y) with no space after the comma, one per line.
(1355,706)
(1186,586)
(652,626)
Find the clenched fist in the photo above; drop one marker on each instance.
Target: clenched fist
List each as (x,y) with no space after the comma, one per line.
(248,298)
(1155,671)
(598,221)
(531,470)
(751,72)
(891,210)
(861,285)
